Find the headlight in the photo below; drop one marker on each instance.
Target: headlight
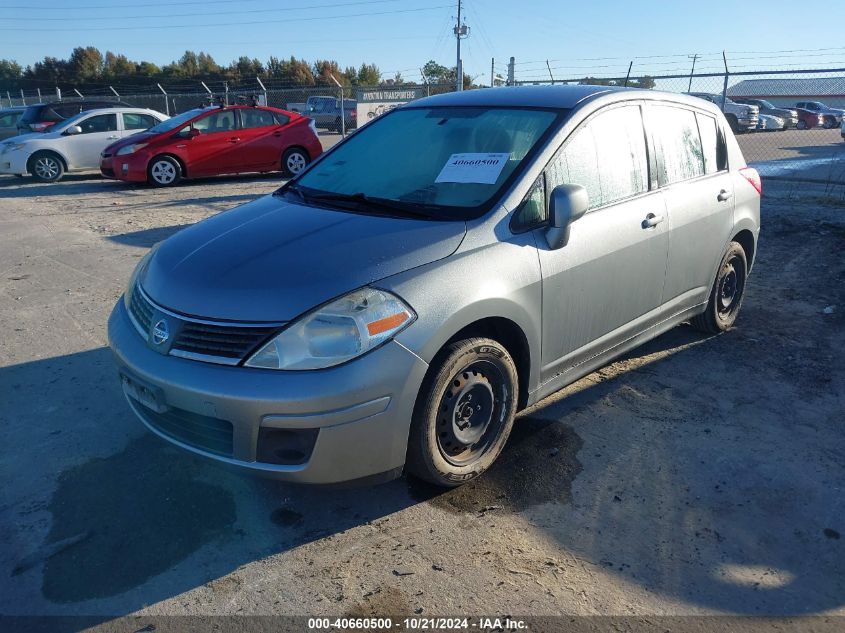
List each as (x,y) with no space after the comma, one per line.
(130,149)
(133,278)
(337,332)
(10,147)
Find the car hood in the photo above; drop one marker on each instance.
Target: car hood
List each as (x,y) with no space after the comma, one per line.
(273,259)
(20,138)
(138,137)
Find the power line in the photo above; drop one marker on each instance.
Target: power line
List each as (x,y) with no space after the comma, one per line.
(227,24)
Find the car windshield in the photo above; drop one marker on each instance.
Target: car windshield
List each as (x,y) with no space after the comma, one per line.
(766,104)
(448,161)
(177,121)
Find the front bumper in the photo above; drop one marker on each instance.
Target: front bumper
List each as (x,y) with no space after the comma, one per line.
(132,167)
(359,413)
(14,162)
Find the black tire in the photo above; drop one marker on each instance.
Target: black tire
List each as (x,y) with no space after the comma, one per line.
(164,171)
(338,126)
(801,125)
(294,160)
(46,166)
(733,123)
(475,377)
(829,122)
(726,294)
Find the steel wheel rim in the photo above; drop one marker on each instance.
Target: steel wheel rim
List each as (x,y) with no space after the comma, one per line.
(471,412)
(731,284)
(46,168)
(295,163)
(163,172)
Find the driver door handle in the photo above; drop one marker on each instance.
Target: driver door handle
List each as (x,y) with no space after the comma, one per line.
(652,220)
(724,194)
(110,137)
(234,139)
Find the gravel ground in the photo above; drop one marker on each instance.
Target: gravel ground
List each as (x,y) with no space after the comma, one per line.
(697,475)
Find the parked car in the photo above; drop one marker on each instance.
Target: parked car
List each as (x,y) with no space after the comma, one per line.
(789,116)
(769,123)
(842,130)
(212,141)
(74,144)
(9,122)
(326,112)
(831,116)
(741,117)
(40,117)
(392,309)
(808,119)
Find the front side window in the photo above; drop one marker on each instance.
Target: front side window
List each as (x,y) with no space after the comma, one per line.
(99,123)
(678,145)
(257,118)
(607,156)
(221,121)
(454,160)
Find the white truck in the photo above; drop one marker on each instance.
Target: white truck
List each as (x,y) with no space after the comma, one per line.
(742,118)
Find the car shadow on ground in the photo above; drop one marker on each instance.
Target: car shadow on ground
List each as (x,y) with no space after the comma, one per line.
(146,238)
(690,507)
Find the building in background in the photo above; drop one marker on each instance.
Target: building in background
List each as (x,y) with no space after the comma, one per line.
(787,91)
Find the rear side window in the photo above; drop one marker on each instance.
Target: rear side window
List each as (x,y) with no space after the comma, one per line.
(281,119)
(8,119)
(607,157)
(134,121)
(257,118)
(222,121)
(679,152)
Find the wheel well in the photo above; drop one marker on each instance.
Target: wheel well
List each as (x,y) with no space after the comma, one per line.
(746,239)
(512,337)
(182,165)
(46,151)
(300,148)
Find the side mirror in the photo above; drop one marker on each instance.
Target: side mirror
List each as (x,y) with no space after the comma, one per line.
(73,129)
(566,204)
(193,132)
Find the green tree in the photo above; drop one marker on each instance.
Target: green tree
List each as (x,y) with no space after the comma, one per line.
(437,73)
(187,65)
(245,67)
(595,81)
(324,69)
(369,75)
(206,66)
(10,71)
(85,63)
(50,69)
(646,82)
(351,75)
(148,69)
(117,65)
(292,71)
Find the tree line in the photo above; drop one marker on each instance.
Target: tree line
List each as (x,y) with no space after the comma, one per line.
(88,65)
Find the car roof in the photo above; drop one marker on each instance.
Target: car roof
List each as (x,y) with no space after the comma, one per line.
(14,109)
(527,96)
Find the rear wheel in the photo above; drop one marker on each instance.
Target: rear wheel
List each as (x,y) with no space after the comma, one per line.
(726,294)
(294,160)
(46,166)
(164,171)
(829,122)
(464,413)
(801,125)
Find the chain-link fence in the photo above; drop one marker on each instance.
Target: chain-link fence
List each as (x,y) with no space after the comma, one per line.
(787,122)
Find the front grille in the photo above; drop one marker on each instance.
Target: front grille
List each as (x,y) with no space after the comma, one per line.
(200,340)
(200,431)
(220,340)
(141,309)
(107,171)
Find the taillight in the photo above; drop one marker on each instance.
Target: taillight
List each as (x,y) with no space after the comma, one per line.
(39,127)
(751,175)
(354,114)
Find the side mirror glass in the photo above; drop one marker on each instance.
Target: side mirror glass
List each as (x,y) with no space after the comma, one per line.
(567,203)
(73,129)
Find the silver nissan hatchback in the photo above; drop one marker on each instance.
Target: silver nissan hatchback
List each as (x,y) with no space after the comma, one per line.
(453,261)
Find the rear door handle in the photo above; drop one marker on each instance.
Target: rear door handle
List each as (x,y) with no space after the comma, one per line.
(652,220)
(234,139)
(724,194)
(110,137)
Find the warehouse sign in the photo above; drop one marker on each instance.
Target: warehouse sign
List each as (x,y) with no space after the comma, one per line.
(375,102)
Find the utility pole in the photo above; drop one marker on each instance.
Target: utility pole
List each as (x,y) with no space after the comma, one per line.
(510,71)
(551,76)
(692,71)
(461,33)
(492,69)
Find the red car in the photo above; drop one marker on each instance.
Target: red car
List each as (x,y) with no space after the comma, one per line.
(807,119)
(212,141)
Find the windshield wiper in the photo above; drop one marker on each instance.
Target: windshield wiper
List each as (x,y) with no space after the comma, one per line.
(392,207)
(293,188)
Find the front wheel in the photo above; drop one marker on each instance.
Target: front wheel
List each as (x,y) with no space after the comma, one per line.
(828,123)
(46,167)
(726,294)
(801,125)
(294,160)
(164,171)
(464,413)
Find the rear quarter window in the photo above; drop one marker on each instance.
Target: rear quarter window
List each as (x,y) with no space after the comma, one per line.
(678,143)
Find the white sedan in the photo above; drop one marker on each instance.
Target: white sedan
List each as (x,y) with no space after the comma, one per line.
(74,144)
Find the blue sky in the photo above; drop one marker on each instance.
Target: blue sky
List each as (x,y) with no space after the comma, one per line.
(579,38)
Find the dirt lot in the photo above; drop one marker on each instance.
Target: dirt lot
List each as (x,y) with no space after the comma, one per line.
(697,475)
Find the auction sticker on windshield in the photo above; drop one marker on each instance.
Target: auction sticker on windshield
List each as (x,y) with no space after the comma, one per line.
(474,168)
